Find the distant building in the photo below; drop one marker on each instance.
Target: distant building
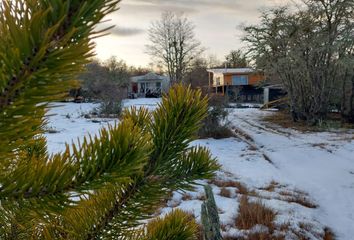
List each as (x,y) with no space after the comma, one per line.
(149,85)
(240,84)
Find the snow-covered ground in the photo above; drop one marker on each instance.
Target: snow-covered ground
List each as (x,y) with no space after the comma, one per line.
(307,178)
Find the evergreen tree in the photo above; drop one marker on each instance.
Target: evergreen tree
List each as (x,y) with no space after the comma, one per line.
(103,186)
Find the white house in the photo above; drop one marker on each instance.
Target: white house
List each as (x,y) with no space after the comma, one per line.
(149,85)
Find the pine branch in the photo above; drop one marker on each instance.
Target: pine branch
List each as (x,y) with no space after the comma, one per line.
(51,38)
(174,168)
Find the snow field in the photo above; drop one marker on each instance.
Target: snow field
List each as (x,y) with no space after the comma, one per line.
(308,182)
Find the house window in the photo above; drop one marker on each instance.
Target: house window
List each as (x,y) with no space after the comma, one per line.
(142,87)
(218,81)
(158,85)
(240,80)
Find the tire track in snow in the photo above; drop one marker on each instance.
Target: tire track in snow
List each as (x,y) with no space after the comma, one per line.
(238,133)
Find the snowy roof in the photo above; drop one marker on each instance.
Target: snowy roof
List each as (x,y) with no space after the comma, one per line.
(231,70)
(149,77)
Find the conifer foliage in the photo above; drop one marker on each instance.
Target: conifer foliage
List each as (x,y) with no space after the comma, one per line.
(101,187)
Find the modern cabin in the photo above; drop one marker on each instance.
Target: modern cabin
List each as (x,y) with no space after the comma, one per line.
(240,84)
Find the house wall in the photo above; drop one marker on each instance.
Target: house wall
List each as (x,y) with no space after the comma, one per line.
(253,79)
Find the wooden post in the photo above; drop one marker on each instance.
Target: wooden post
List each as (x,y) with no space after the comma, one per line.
(209,89)
(266,95)
(209,217)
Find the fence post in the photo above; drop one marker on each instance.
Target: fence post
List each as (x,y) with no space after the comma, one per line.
(209,216)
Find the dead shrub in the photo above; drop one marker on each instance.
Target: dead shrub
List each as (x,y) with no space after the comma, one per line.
(254,213)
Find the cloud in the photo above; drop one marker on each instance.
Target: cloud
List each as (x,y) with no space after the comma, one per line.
(201,5)
(126,31)
(159,5)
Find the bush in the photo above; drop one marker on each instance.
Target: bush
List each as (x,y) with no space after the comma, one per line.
(107,83)
(111,100)
(110,108)
(215,125)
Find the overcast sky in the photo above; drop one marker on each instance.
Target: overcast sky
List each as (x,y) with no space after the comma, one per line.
(216,25)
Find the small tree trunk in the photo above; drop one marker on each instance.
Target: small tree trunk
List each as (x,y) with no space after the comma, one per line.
(347,108)
(351,104)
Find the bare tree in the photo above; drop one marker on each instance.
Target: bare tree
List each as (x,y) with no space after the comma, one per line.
(173,44)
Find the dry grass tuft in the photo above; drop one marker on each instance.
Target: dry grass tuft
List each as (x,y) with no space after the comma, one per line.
(256,236)
(241,188)
(299,198)
(252,148)
(264,236)
(323,146)
(305,226)
(224,192)
(271,187)
(254,213)
(201,197)
(328,235)
(187,197)
(283,119)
